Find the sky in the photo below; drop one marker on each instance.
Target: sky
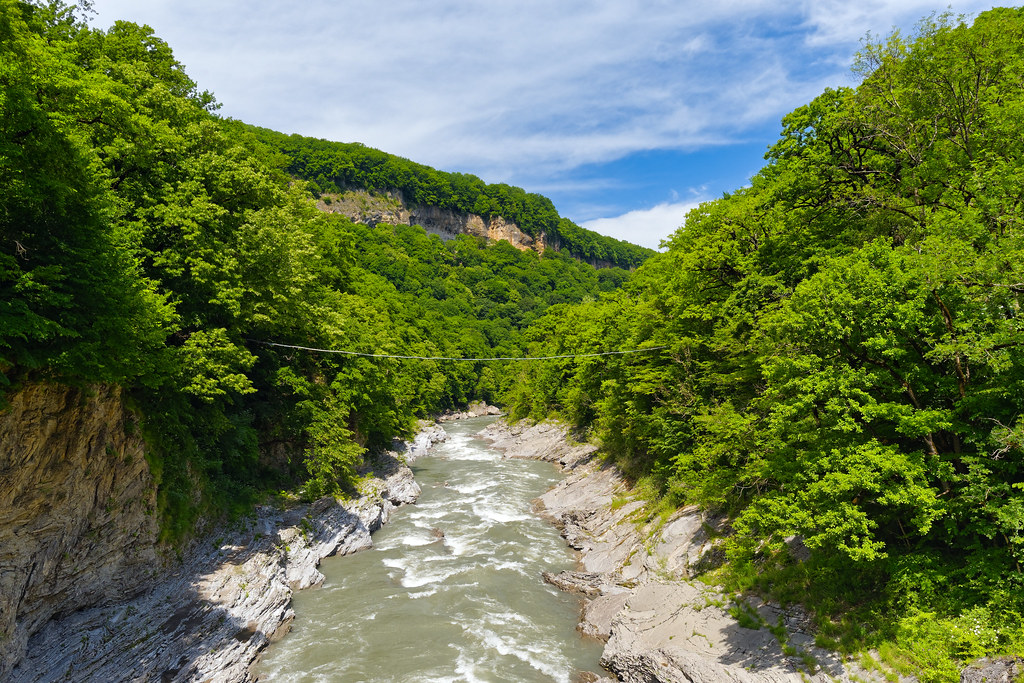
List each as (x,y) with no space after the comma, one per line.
(626,113)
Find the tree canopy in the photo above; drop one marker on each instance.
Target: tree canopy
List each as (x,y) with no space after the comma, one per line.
(846,353)
(147,242)
(333,166)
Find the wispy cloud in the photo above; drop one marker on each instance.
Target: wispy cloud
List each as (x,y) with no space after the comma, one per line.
(521,91)
(646,227)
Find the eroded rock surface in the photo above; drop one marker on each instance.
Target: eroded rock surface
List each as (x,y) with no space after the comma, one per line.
(1005,670)
(362,207)
(658,623)
(475,409)
(76,508)
(210,615)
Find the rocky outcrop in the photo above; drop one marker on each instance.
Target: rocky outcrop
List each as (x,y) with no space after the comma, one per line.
(474,409)
(229,598)
(636,573)
(77,501)
(427,434)
(93,602)
(362,207)
(1005,670)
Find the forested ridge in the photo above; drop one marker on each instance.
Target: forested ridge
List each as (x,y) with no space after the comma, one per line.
(148,242)
(842,377)
(845,371)
(333,166)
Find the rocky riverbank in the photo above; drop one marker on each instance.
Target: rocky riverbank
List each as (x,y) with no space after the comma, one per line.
(230,594)
(475,409)
(637,576)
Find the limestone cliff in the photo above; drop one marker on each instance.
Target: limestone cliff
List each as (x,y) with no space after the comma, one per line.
(362,207)
(77,508)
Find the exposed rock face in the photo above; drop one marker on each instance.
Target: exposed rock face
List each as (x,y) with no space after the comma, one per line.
(474,409)
(85,596)
(658,624)
(994,671)
(76,508)
(228,600)
(230,597)
(428,434)
(362,207)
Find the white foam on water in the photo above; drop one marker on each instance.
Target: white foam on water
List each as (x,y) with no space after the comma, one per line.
(476,583)
(467,669)
(429,514)
(499,514)
(414,578)
(505,647)
(417,537)
(457,544)
(462,448)
(467,489)
(502,566)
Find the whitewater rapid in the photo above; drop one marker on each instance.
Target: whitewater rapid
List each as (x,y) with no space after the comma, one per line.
(451,590)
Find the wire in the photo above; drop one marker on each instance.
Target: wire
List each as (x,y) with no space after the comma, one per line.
(387,355)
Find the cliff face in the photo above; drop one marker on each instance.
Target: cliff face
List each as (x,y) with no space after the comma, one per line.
(77,508)
(362,207)
(209,617)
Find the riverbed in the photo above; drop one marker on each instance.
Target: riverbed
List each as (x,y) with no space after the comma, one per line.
(451,590)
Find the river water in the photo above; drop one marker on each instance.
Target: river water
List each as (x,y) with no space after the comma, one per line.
(451,590)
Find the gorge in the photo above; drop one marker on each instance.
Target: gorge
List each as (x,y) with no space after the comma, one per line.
(214,339)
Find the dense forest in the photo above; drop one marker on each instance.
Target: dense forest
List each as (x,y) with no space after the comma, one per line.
(839,369)
(845,361)
(334,166)
(147,242)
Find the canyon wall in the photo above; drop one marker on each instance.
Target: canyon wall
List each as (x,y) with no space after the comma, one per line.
(78,520)
(362,207)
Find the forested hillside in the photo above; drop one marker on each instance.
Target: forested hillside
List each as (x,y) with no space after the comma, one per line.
(845,361)
(148,243)
(333,166)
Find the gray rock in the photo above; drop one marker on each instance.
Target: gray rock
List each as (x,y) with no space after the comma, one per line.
(575,582)
(97,605)
(76,508)
(1005,670)
(429,433)
(658,625)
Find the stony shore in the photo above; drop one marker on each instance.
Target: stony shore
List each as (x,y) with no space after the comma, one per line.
(637,578)
(229,596)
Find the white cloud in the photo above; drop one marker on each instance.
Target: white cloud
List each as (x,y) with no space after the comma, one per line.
(519,91)
(646,227)
(840,21)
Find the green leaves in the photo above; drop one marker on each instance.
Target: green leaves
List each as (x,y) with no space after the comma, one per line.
(212,366)
(845,361)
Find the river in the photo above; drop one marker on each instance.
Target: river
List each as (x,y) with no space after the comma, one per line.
(451,590)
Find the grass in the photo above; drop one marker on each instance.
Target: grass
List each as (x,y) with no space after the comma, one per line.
(915,626)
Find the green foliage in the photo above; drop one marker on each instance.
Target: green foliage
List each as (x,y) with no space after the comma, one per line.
(845,359)
(72,302)
(332,455)
(144,241)
(332,166)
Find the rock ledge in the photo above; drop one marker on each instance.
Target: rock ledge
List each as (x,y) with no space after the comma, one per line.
(637,577)
(227,599)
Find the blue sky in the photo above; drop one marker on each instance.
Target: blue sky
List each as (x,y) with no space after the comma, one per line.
(624,113)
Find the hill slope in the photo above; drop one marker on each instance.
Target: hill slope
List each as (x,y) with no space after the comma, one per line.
(845,359)
(332,167)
